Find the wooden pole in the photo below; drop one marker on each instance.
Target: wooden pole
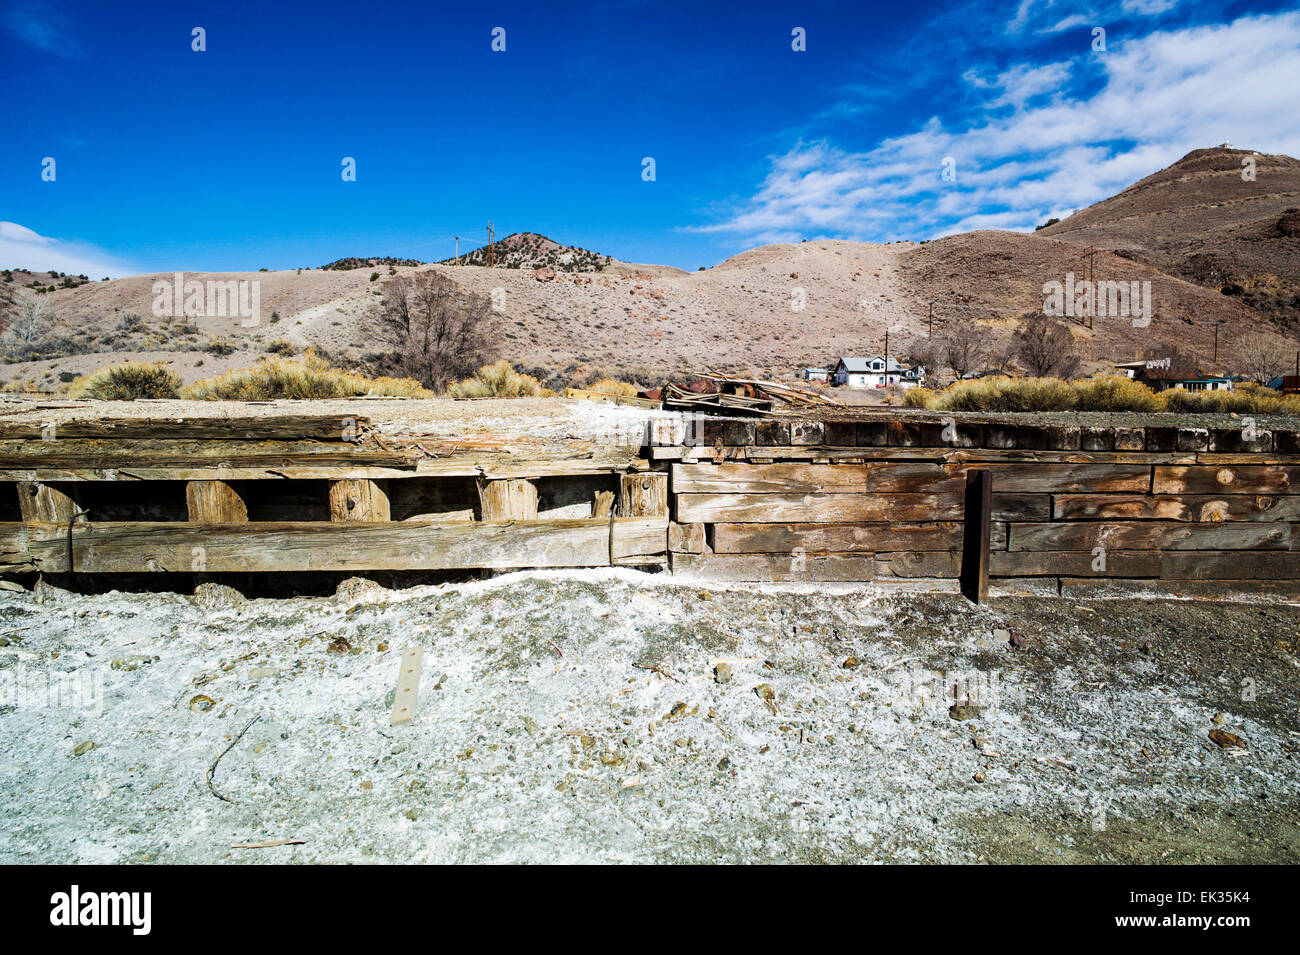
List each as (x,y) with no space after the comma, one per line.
(359,501)
(643,495)
(45,504)
(508,500)
(214,502)
(975,536)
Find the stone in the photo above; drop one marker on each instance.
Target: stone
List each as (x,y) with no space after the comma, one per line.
(1227,740)
(722,673)
(83,747)
(852,663)
(202,703)
(965,711)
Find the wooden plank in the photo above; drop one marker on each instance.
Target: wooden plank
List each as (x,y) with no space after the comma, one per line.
(917,564)
(816,508)
(687,538)
(45,503)
(58,455)
(772,567)
(1221,565)
(633,540)
(896,477)
(407,694)
(1261,479)
(835,538)
(1196,507)
(323,545)
(643,495)
(602,398)
(787,478)
(603,504)
(975,536)
(1069,478)
(353,501)
(269,428)
(214,502)
(1074,564)
(1149,535)
(511,499)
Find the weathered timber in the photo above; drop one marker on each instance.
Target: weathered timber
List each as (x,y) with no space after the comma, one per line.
(603,398)
(1206,508)
(850,508)
(1149,535)
(328,546)
(687,538)
(643,495)
(603,504)
(635,541)
(1230,565)
(214,502)
(1068,478)
(271,428)
(835,538)
(1261,479)
(914,477)
(735,478)
(772,567)
(916,564)
(44,502)
(975,536)
(364,502)
(1112,563)
(507,500)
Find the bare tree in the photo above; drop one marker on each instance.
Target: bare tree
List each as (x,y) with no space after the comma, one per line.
(963,350)
(1260,357)
(28,323)
(433,329)
(1045,346)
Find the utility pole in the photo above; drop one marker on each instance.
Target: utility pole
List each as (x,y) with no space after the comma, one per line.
(930,332)
(1216,342)
(491,253)
(458,250)
(1090,276)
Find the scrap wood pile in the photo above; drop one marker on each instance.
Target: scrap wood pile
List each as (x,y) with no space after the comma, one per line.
(725,394)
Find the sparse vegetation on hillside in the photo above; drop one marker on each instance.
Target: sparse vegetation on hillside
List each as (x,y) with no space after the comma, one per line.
(353,262)
(528,250)
(310,377)
(127,382)
(1107,393)
(499,380)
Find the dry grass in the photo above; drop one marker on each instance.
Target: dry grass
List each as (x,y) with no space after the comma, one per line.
(128,381)
(310,377)
(609,386)
(499,380)
(1107,393)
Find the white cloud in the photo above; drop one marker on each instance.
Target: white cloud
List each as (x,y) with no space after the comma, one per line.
(1163,95)
(41,26)
(22,248)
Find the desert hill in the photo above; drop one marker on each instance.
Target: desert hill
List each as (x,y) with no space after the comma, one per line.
(769,310)
(1199,219)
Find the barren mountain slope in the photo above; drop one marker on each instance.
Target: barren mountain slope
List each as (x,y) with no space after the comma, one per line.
(1200,220)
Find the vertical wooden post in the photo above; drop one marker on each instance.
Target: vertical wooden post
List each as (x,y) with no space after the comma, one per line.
(359,501)
(975,536)
(42,503)
(508,500)
(603,505)
(214,502)
(643,495)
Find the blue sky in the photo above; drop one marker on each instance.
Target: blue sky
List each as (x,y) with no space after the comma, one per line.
(166,158)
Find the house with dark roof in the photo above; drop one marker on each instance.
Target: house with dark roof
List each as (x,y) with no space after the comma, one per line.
(1161,373)
(876,372)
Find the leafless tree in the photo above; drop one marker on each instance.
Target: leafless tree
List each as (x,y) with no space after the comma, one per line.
(1045,347)
(963,350)
(433,330)
(1261,357)
(28,321)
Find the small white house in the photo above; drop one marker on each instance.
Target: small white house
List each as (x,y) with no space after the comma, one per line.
(814,374)
(876,372)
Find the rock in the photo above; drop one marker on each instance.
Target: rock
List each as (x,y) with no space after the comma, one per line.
(83,747)
(1227,740)
(201,703)
(979,777)
(1016,640)
(852,663)
(261,673)
(213,596)
(413,814)
(367,786)
(724,763)
(544,274)
(12,585)
(1218,719)
(358,588)
(339,645)
(764,691)
(965,711)
(722,673)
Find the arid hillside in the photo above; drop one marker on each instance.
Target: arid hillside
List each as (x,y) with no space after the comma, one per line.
(770,310)
(1225,218)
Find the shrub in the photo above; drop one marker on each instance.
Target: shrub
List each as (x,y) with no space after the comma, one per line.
(281,346)
(610,386)
(128,381)
(1107,393)
(220,347)
(1114,393)
(499,380)
(917,398)
(1006,394)
(312,377)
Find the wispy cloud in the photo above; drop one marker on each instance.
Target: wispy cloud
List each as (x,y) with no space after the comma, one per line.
(43,27)
(1029,152)
(23,248)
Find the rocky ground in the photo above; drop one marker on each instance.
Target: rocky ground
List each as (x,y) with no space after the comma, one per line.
(612,716)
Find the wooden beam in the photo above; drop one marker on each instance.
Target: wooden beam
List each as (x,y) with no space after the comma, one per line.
(786,478)
(508,500)
(1208,508)
(975,536)
(773,567)
(835,538)
(643,495)
(1149,535)
(343,546)
(603,504)
(214,502)
(364,502)
(1263,479)
(687,538)
(45,503)
(249,428)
